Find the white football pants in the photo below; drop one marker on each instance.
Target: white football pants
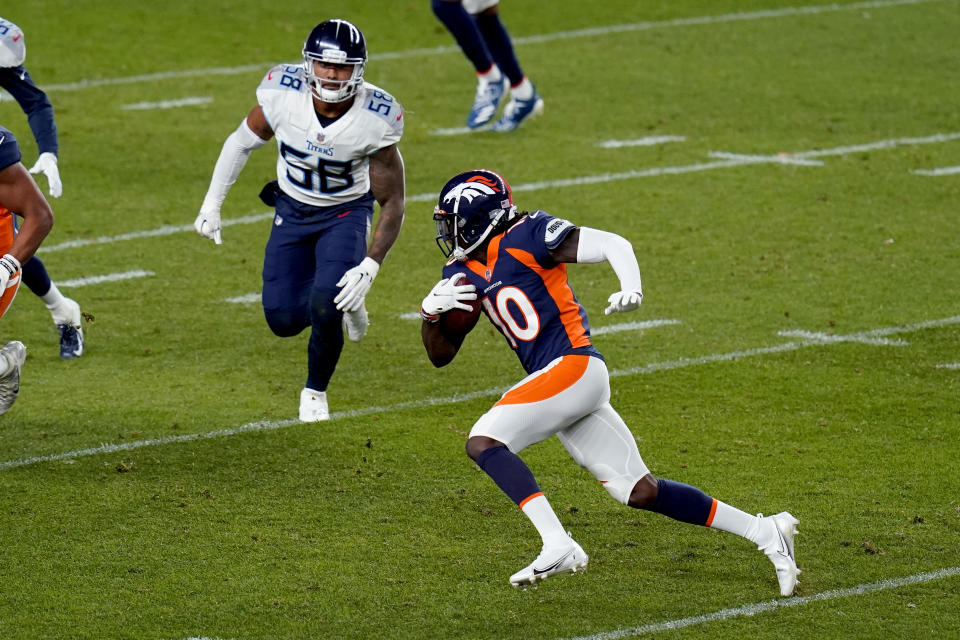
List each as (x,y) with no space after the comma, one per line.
(569,397)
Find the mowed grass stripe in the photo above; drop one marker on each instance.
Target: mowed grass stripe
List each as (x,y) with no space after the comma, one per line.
(462,397)
(772,605)
(591,32)
(732,160)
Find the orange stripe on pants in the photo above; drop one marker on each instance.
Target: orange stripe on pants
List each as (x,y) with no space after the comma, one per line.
(548,384)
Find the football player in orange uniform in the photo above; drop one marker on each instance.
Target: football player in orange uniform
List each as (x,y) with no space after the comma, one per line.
(516,263)
(18,192)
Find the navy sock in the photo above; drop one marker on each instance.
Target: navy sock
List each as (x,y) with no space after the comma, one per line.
(498,42)
(464,29)
(35,276)
(682,502)
(510,473)
(326,339)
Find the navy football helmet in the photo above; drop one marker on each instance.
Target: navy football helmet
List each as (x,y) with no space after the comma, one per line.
(471,206)
(335,42)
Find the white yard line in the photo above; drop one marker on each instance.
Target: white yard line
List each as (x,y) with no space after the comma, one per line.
(773,605)
(949,365)
(462,397)
(591,32)
(165,230)
(167,104)
(761,159)
(647,141)
(109,277)
(631,326)
(942,171)
(251,298)
(729,160)
(829,338)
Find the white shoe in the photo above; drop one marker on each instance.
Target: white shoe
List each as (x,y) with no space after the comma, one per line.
(780,549)
(13,354)
(356,322)
(67,317)
(557,559)
(313,406)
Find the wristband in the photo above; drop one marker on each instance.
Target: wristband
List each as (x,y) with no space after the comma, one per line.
(10,263)
(427,317)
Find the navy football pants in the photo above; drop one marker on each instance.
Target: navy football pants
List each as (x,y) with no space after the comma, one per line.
(303,261)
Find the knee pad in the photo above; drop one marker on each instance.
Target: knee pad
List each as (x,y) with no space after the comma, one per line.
(621,487)
(286,322)
(322,308)
(604,446)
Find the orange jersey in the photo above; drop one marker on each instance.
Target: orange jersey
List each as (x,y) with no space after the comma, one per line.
(526,295)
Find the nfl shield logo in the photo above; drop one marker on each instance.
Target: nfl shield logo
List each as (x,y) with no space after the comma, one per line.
(320,137)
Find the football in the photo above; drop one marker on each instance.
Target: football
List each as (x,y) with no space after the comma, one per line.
(458,321)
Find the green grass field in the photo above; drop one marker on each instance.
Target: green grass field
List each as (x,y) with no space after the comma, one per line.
(160,487)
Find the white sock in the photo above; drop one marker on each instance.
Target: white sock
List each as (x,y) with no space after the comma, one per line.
(492,76)
(524,90)
(727,518)
(541,514)
(53,297)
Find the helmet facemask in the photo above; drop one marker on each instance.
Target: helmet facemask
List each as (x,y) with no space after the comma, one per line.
(458,237)
(346,89)
(335,42)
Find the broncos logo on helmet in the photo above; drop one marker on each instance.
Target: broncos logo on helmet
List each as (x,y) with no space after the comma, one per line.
(471,206)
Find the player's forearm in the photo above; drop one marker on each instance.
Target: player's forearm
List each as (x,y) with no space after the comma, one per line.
(44,129)
(440,349)
(37,222)
(599,246)
(387,229)
(233,157)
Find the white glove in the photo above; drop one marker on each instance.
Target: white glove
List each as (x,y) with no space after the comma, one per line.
(47,165)
(623,301)
(356,283)
(445,296)
(8,267)
(207,223)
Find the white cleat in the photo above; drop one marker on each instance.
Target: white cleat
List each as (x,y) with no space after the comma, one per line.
(12,356)
(355,323)
(569,557)
(780,549)
(67,317)
(313,406)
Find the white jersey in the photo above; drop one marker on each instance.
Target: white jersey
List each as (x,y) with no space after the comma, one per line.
(325,166)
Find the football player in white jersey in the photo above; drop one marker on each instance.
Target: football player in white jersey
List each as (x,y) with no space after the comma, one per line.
(337,141)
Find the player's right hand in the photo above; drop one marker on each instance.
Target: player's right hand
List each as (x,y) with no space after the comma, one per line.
(447,295)
(207,223)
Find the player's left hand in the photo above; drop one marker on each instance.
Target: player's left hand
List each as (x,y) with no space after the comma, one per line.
(47,165)
(623,301)
(9,266)
(355,284)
